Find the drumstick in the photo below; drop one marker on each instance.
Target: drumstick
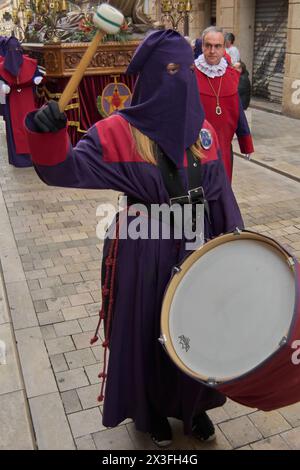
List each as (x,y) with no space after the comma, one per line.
(108,20)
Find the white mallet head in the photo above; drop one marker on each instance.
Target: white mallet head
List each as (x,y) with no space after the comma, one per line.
(108,19)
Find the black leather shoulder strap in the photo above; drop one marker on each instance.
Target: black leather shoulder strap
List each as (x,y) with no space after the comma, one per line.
(194,170)
(171,177)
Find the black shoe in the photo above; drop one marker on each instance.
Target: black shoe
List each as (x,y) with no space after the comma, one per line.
(161,433)
(203,428)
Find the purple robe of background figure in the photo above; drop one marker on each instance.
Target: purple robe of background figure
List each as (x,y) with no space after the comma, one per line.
(18,76)
(142,381)
(2,94)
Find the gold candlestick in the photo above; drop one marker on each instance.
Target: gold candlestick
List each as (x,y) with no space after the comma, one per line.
(64,5)
(166,6)
(14,15)
(28,14)
(181,7)
(188,6)
(176,13)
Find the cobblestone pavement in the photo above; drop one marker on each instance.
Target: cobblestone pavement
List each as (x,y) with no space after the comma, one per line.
(276,141)
(51,266)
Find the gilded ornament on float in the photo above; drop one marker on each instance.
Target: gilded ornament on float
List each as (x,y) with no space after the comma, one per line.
(29,14)
(176,13)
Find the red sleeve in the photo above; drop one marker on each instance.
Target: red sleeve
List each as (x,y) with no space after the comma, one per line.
(47,148)
(246,144)
(243,132)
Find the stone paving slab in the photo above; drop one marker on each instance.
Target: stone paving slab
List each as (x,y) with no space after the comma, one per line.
(292,438)
(38,375)
(50,423)
(15,429)
(21,305)
(276,142)
(85,422)
(10,379)
(272,443)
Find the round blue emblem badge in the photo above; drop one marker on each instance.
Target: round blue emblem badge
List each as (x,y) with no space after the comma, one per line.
(206,139)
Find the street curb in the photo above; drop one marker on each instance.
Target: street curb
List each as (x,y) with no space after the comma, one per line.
(265,109)
(5,221)
(4,299)
(269,167)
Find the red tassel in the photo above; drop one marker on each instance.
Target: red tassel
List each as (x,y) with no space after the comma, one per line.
(102,375)
(94,340)
(107,289)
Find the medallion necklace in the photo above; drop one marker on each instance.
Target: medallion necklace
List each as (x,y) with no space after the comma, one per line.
(217,95)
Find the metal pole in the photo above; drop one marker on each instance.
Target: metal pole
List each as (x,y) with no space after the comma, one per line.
(186,24)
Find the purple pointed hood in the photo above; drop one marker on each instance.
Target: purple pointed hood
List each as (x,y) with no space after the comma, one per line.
(3,40)
(13,56)
(165,107)
(197,48)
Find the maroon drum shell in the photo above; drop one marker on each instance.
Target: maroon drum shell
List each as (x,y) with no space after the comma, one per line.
(275,383)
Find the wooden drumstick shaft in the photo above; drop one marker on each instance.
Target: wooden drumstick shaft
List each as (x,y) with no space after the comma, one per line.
(79,72)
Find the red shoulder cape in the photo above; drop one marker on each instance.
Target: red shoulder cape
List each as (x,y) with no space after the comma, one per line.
(21,100)
(225,124)
(118,145)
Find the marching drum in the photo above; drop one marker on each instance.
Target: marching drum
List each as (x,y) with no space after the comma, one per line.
(231,319)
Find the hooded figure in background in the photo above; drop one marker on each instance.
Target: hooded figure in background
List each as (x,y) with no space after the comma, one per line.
(197,48)
(18,74)
(2,94)
(164,128)
(3,40)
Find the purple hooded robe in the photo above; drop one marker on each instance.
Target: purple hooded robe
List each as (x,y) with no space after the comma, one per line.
(142,380)
(18,71)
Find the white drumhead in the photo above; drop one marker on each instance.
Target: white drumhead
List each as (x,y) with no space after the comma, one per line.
(232,308)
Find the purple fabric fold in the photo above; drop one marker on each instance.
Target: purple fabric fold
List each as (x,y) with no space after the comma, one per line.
(173,123)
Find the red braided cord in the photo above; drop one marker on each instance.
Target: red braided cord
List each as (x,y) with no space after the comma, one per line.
(113,252)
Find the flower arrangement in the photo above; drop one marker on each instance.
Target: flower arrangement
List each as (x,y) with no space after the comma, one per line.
(86,31)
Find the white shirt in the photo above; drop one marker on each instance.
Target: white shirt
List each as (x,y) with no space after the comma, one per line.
(211,71)
(2,94)
(234,54)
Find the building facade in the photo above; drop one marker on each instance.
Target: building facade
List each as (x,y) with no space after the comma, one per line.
(268,36)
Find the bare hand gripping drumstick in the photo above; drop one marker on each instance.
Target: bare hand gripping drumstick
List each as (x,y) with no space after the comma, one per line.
(108,20)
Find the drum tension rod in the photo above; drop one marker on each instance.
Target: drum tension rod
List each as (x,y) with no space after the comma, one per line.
(283,341)
(162,339)
(176,269)
(291,262)
(237,231)
(212,382)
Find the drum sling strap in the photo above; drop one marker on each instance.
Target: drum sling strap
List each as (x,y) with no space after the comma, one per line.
(174,185)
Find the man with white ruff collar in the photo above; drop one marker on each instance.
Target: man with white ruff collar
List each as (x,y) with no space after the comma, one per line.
(218,87)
